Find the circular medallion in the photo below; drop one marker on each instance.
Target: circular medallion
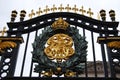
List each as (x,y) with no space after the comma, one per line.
(59,47)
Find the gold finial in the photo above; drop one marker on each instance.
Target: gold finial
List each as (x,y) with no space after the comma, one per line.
(60,24)
(82,10)
(13,15)
(112,15)
(54,8)
(31,14)
(103,15)
(46,10)
(89,12)
(98,16)
(22,14)
(68,8)
(61,8)
(3,31)
(75,9)
(39,12)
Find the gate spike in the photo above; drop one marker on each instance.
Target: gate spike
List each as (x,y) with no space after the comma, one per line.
(75,9)
(3,31)
(39,12)
(31,14)
(54,8)
(82,10)
(90,12)
(46,10)
(60,8)
(68,8)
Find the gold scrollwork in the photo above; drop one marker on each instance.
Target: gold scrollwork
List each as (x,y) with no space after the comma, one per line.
(7,44)
(114,44)
(70,73)
(59,47)
(47,73)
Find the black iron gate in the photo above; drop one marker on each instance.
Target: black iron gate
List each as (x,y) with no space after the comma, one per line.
(16,61)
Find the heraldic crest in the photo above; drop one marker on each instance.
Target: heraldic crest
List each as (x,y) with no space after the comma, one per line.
(59,50)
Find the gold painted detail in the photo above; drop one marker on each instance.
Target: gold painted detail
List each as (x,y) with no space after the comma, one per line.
(54,8)
(3,31)
(82,10)
(60,24)
(47,73)
(11,39)
(114,44)
(59,47)
(31,14)
(89,12)
(61,8)
(46,9)
(7,44)
(68,8)
(110,38)
(70,73)
(75,9)
(39,12)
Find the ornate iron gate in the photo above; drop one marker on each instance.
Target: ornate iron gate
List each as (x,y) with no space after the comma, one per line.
(15,58)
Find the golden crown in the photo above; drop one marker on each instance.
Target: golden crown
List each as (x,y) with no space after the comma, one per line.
(60,24)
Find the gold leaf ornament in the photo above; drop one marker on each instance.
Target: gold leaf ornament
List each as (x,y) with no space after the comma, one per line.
(7,44)
(114,44)
(59,47)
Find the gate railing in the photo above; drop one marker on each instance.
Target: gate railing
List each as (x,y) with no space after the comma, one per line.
(18,29)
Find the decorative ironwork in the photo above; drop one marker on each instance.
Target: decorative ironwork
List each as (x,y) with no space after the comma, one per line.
(54,8)
(59,47)
(60,8)
(103,15)
(82,10)
(114,44)
(6,44)
(46,10)
(43,55)
(39,12)
(60,24)
(22,13)
(13,15)
(12,39)
(98,16)
(113,48)
(68,8)
(31,14)
(75,9)
(3,31)
(112,15)
(108,39)
(89,12)
(76,63)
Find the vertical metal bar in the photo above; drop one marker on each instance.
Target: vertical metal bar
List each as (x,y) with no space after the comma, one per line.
(32,57)
(13,61)
(103,56)
(112,71)
(104,60)
(24,55)
(109,56)
(86,71)
(94,57)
